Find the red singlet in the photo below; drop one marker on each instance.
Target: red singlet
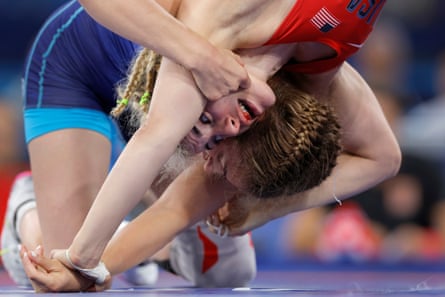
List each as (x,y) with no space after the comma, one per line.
(343,25)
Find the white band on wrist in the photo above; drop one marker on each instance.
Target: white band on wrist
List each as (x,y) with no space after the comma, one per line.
(99,273)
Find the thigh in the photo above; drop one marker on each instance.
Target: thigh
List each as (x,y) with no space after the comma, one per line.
(68,168)
(70,151)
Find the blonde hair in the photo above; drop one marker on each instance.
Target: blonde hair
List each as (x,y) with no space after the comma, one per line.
(135,93)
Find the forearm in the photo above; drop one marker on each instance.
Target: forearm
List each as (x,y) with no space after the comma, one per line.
(189,199)
(371,152)
(142,238)
(352,175)
(152,25)
(123,188)
(140,162)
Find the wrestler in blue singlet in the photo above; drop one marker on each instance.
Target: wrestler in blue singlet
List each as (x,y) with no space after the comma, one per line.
(71,73)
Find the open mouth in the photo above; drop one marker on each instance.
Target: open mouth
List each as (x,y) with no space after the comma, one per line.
(248,111)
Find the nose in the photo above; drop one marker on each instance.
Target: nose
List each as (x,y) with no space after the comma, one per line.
(231,127)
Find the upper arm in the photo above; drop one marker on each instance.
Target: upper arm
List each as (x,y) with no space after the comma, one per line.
(358,111)
(365,130)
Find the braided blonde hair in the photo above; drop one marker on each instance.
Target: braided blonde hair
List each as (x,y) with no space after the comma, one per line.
(294,146)
(135,93)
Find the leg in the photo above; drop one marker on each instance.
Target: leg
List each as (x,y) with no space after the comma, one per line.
(68,166)
(73,162)
(208,260)
(21,207)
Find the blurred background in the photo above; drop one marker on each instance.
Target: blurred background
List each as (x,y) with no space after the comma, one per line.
(401,221)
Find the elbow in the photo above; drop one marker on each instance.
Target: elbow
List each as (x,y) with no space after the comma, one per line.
(391,161)
(397,162)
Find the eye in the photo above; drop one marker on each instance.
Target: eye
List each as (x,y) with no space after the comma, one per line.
(218,139)
(247,112)
(204,119)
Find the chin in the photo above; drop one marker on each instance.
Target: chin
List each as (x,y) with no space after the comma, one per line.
(179,161)
(190,148)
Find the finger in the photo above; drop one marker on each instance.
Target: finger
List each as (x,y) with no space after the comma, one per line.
(31,271)
(223,212)
(41,261)
(237,58)
(218,230)
(223,231)
(244,83)
(210,226)
(39,250)
(215,219)
(23,249)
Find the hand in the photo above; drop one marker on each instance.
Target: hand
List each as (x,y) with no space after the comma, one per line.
(220,74)
(51,275)
(239,216)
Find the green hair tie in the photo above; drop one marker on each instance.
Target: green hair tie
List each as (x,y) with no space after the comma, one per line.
(123,101)
(144,99)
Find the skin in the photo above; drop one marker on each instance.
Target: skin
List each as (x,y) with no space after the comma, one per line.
(77,149)
(217,71)
(128,248)
(364,163)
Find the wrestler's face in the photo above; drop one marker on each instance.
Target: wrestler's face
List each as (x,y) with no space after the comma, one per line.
(224,161)
(230,115)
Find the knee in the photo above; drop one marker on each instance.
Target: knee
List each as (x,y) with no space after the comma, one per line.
(235,272)
(207,260)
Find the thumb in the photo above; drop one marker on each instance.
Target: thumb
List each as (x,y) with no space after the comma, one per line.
(56,254)
(61,256)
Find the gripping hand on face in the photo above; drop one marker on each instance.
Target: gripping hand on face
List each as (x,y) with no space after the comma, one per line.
(220,75)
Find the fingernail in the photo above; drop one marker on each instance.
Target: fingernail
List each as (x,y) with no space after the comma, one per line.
(33,254)
(38,248)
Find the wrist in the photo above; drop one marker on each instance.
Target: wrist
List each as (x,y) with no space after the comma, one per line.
(99,274)
(79,261)
(198,54)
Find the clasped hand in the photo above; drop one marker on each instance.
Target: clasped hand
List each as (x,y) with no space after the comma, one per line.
(53,274)
(238,216)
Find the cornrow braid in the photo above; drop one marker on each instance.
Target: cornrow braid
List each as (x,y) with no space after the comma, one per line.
(293,147)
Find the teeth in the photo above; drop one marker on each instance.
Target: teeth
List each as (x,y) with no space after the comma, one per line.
(245,112)
(243,107)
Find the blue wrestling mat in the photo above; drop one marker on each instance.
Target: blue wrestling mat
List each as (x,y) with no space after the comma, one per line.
(314,281)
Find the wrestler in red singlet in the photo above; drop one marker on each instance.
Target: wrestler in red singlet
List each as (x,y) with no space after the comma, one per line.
(343,25)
